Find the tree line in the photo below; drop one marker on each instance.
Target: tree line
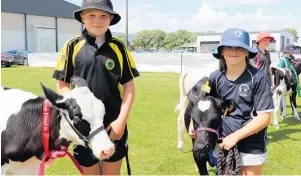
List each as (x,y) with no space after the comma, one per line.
(158,39)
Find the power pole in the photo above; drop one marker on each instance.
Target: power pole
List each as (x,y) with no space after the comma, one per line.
(126,23)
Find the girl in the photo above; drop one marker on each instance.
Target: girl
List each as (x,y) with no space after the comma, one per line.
(245,126)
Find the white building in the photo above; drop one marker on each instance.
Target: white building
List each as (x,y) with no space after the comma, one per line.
(37,25)
(209,41)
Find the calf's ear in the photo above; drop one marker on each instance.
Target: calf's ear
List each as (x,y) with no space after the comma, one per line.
(51,95)
(200,89)
(192,95)
(226,105)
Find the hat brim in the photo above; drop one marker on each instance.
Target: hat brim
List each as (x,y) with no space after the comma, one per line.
(271,38)
(235,43)
(116,19)
(290,51)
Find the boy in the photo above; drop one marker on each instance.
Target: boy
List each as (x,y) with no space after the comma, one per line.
(263,57)
(108,67)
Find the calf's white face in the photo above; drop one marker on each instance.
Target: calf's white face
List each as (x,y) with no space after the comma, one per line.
(86,113)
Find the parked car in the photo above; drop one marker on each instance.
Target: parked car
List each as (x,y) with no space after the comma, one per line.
(7,59)
(20,56)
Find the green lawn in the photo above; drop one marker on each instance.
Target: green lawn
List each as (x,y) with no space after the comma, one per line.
(153,128)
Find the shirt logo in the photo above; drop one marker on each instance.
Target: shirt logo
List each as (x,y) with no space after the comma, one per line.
(110,64)
(63,57)
(244,90)
(237,33)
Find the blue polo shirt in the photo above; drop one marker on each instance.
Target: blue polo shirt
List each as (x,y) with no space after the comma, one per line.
(251,95)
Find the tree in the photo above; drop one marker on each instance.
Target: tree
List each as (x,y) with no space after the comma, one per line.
(292,31)
(147,39)
(142,39)
(157,38)
(178,38)
(169,41)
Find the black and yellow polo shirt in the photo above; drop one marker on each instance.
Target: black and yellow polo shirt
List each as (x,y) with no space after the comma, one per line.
(105,68)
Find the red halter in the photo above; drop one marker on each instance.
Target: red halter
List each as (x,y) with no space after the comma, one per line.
(53,154)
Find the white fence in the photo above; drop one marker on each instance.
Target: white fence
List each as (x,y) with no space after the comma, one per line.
(149,62)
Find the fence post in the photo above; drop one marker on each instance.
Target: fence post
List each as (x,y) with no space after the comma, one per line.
(181,60)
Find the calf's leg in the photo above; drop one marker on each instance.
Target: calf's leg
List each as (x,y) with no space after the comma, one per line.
(294,105)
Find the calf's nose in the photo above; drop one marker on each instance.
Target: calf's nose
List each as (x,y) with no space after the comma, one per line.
(200,147)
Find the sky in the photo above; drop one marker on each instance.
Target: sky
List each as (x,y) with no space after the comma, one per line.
(205,15)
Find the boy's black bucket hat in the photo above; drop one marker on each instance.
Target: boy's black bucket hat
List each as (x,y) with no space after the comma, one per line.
(105,5)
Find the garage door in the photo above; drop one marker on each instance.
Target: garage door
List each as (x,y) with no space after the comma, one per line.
(207,46)
(46,40)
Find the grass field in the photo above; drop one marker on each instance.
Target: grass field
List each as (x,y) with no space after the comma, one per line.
(153,128)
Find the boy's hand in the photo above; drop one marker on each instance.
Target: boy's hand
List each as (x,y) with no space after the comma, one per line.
(117,129)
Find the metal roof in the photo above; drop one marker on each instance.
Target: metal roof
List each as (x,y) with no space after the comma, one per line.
(50,8)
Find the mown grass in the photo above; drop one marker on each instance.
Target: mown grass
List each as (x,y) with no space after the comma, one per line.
(153,128)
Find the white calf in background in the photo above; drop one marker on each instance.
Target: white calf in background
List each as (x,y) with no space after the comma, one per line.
(187,80)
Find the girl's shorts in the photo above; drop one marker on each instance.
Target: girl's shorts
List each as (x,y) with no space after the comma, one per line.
(247,159)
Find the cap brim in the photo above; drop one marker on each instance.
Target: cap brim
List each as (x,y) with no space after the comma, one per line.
(116,19)
(234,43)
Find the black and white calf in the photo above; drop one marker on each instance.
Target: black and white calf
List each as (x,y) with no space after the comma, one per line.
(21,126)
(187,80)
(286,84)
(205,113)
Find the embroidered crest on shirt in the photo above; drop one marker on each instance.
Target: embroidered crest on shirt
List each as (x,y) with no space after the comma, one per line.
(110,64)
(63,57)
(244,90)
(61,61)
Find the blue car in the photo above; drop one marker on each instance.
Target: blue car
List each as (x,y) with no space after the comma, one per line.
(20,56)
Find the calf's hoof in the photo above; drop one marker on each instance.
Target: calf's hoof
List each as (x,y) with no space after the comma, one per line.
(180,147)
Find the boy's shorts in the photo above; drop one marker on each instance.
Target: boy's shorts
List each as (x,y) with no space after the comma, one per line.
(247,159)
(86,158)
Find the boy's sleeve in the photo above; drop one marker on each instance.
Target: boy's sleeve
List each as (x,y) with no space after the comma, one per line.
(64,66)
(263,101)
(129,67)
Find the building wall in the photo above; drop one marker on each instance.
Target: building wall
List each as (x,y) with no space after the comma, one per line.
(12,31)
(210,37)
(289,38)
(67,28)
(38,28)
(34,21)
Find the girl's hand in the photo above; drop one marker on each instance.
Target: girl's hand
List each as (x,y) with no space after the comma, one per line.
(229,142)
(191,131)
